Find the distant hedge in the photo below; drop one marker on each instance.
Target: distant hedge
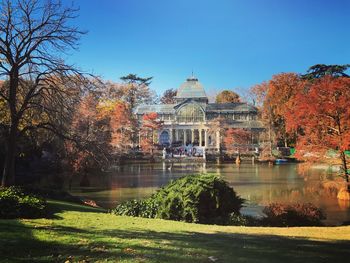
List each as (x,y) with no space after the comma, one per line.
(202,198)
(15,203)
(292,215)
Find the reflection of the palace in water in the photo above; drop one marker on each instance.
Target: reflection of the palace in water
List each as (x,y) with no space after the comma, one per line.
(258,184)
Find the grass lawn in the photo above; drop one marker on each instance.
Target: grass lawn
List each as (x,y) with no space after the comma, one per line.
(82,234)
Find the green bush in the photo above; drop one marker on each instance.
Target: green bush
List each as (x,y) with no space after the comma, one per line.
(139,208)
(194,198)
(292,215)
(15,203)
(244,220)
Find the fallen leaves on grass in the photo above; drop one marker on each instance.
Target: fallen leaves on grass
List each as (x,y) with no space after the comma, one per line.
(129,250)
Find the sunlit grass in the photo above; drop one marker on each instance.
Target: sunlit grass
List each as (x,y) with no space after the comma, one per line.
(78,233)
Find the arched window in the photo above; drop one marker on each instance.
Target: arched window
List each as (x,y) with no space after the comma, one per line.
(190,113)
(164,138)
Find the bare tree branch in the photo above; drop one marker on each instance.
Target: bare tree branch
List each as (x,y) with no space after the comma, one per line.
(34,38)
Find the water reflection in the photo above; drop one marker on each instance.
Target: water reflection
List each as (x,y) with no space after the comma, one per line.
(258,184)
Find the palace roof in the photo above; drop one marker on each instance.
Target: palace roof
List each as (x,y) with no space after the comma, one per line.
(191,89)
(210,107)
(193,92)
(230,107)
(159,108)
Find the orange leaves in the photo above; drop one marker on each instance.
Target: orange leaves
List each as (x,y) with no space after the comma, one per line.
(233,138)
(146,144)
(150,121)
(259,92)
(90,131)
(237,136)
(321,114)
(276,99)
(150,125)
(121,116)
(86,110)
(227,96)
(169,96)
(100,128)
(152,116)
(282,89)
(122,126)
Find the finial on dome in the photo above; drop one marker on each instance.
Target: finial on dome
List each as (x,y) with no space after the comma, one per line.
(192,78)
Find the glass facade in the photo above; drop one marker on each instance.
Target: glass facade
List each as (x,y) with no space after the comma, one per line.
(190,113)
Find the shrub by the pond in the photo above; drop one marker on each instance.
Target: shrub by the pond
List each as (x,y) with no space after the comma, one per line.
(14,203)
(244,220)
(194,198)
(292,215)
(140,208)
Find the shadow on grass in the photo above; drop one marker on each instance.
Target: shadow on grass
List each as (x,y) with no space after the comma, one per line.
(22,243)
(54,207)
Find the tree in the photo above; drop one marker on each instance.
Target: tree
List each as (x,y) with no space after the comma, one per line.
(275,99)
(148,132)
(321,70)
(33,35)
(89,144)
(112,91)
(234,139)
(259,93)
(168,97)
(227,96)
(134,79)
(136,90)
(123,127)
(282,89)
(320,116)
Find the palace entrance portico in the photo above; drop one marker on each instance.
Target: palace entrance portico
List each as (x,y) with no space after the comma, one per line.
(197,136)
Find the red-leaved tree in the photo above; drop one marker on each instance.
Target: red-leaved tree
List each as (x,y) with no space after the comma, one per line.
(275,98)
(235,140)
(122,126)
(321,116)
(148,132)
(89,147)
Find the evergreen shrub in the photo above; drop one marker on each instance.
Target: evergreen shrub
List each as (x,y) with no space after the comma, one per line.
(194,198)
(15,203)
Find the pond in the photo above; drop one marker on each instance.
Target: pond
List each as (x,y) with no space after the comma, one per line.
(258,184)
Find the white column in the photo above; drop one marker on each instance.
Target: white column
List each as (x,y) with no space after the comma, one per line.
(185,136)
(177,134)
(218,139)
(200,137)
(206,138)
(171,135)
(139,138)
(192,137)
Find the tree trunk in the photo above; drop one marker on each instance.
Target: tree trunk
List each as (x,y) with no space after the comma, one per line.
(285,142)
(345,168)
(270,142)
(8,175)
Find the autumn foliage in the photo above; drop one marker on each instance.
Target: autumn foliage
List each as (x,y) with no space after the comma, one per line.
(168,97)
(148,131)
(90,144)
(235,139)
(321,117)
(122,126)
(227,96)
(275,98)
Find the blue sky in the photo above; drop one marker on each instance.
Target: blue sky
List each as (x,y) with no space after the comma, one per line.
(229,44)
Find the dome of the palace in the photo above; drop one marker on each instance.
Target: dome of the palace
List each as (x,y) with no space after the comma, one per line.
(191,89)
